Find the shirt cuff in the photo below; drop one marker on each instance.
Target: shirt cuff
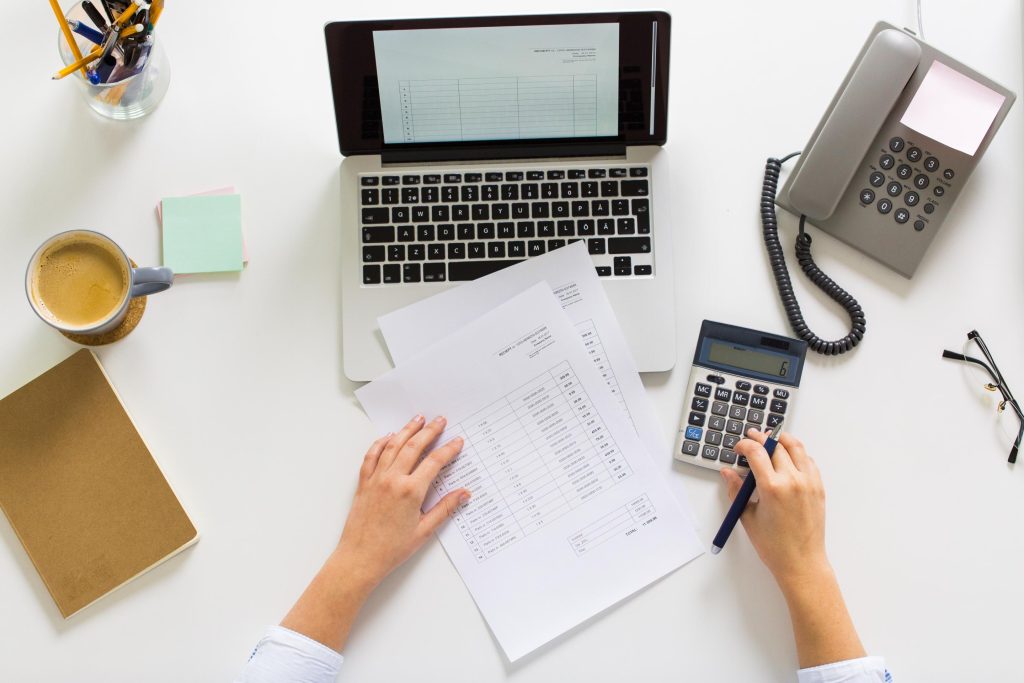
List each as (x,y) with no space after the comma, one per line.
(863,670)
(284,655)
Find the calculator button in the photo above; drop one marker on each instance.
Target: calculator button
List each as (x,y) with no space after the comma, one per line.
(773,421)
(948,174)
(914,155)
(734,427)
(903,171)
(742,386)
(931,164)
(727,456)
(742,462)
(886,162)
(723,394)
(719,408)
(748,427)
(911,198)
(780,393)
(755,416)
(876,179)
(778,406)
(901,216)
(703,390)
(741,398)
(761,389)
(716,423)
(699,404)
(690,448)
(759,402)
(697,419)
(710,453)
(713,438)
(717,379)
(738,413)
(730,441)
(896,144)
(694,433)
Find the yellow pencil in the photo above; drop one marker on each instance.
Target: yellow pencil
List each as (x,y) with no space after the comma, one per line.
(67,34)
(155,10)
(132,30)
(80,64)
(127,14)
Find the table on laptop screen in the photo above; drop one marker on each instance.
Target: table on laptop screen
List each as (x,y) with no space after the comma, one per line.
(498,83)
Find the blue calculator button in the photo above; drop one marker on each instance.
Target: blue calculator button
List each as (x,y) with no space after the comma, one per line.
(694,433)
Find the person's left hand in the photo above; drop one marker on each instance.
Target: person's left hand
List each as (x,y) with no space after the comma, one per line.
(386,525)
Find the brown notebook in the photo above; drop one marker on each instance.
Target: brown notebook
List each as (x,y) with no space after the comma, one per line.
(81,489)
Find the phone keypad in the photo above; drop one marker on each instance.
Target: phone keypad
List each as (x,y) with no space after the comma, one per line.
(924,183)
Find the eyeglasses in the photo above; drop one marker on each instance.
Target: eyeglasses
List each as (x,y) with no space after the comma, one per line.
(997,384)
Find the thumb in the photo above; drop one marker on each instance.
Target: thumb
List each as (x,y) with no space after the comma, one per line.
(733,482)
(445,508)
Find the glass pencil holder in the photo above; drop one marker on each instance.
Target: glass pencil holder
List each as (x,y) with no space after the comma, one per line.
(130,92)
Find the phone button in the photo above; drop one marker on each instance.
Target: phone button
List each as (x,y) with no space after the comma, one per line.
(921,181)
(939,190)
(912,198)
(948,174)
(901,216)
(876,179)
(884,206)
(886,162)
(931,164)
(919,225)
(896,144)
(913,155)
(904,171)
(929,208)
(866,196)
(894,189)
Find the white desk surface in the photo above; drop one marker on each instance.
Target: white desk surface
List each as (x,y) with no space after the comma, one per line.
(236,382)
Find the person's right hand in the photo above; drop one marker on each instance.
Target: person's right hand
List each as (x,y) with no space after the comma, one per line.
(787,524)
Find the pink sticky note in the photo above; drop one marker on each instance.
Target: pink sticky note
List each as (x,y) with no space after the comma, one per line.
(952,109)
(230,189)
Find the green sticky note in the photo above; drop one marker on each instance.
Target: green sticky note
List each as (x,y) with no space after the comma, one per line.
(203,234)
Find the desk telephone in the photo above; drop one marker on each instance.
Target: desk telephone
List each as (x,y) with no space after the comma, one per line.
(884,166)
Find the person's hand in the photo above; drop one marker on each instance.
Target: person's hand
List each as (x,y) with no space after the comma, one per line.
(385,525)
(787,524)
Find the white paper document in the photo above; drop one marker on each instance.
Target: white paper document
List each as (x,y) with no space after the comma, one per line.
(570,272)
(569,514)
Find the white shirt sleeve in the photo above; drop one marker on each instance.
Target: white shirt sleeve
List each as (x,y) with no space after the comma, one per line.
(863,670)
(284,656)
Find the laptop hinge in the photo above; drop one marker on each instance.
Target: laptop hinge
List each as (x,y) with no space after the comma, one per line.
(510,152)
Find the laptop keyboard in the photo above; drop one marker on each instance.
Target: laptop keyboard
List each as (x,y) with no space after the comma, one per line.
(455,226)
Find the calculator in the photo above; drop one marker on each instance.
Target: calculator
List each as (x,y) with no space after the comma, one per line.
(741,378)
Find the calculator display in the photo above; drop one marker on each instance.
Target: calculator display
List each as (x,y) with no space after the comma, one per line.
(749,359)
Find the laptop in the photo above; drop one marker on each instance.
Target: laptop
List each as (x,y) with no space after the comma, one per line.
(471,144)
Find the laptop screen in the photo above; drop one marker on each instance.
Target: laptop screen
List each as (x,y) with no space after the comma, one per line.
(558,82)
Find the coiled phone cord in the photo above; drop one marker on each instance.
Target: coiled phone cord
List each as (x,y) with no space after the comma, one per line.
(770,225)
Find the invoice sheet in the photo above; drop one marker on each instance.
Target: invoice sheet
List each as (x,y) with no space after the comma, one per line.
(568,514)
(570,271)
(498,82)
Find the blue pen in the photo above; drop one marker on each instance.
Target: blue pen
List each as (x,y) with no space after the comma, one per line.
(742,498)
(86,32)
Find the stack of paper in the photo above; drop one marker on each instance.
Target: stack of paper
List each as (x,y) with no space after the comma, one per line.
(571,511)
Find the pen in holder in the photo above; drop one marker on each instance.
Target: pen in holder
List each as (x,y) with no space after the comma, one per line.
(123,72)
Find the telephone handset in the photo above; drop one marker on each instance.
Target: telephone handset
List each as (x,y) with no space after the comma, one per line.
(883,168)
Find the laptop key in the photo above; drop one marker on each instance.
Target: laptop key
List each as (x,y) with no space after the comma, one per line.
(449,194)
(391,180)
(453,177)
(517,249)
(489,193)
(520,210)
(580,208)
(555,244)
(406,233)
(411,272)
(638,172)
(430,195)
(371,216)
(620,207)
(559,209)
(493,177)
(392,273)
(481,212)
(513,175)
(595,246)
(566,229)
(556,175)
(627,226)
(417,252)
(623,265)
(606,226)
(642,211)
(633,188)
(433,272)
(549,190)
(477,250)
(410,195)
(496,249)
(435,252)
(474,177)
(439,214)
(525,229)
(371,275)
(399,214)
(536,247)
(432,179)
(425,233)
(396,252)
(546,229)
(642,270)
(446,232)
(570,190)
(485,231)
(410,180)
(577,173)
(373,254)
(588,189)
(506,230)
(585,228)
(389,195)
(629,245)
(535,175)
(540,210)
(370,197)
(466,231)
(617,173)
(597,173)
(499,211)
(460,271)
(599,207)
(376,235)
(469,193)
(460,212)
(456,250)
(509,192)
(369,180)
(604,271)
(530,191)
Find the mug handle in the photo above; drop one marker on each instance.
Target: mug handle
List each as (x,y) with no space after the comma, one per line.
(146,281)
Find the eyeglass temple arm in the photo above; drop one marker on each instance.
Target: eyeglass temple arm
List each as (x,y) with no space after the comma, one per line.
(959,356)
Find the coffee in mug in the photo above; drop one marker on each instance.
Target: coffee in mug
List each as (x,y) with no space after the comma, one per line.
(82,282)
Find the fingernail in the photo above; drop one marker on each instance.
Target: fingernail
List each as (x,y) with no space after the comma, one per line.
(464,498)
(438,420)
(418,418)
(458,441)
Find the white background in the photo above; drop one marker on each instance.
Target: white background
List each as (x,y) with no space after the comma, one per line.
(236,382)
